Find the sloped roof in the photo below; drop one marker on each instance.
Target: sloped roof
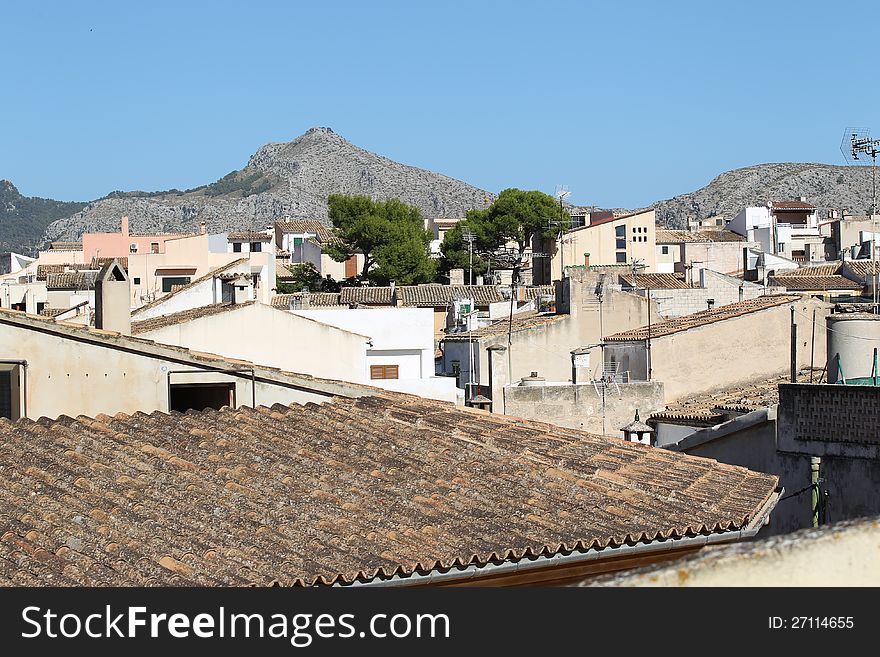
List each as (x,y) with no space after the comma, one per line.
(322,299)
(665,236)
(703,318)
(248,236)
(792,205)
(822,269)
(526,321)
(336,492)
(211,274)
(322,232)
(432,295)
(370,295)
(65,246)
(809,283)
(71,280)
(864,269)
(655,281)
(172,319)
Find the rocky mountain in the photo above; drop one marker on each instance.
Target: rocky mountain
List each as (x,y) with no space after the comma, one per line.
(23,219)
(288,179)
(825,185)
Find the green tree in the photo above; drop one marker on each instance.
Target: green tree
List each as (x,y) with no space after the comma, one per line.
(306,275)
(505,230)
(390,234)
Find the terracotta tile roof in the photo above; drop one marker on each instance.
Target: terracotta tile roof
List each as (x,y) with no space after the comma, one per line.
(665,236)
(248,236)
(703,318)
(526,321)
(71,280)
(442,295)
(823,269)
(211,274)
(809,283)
(44,270)
(155,323)
(864,269)
(337,492)
(65,246)
(98,263)
(52,312)
(655,281)
(322,232)
(282,272)
(533,291)
(366,295)
(316,299)
(792,205)
(609,219)
(743,398)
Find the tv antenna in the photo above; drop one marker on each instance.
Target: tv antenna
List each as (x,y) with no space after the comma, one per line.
(855,142)
(562,192)
(470,238)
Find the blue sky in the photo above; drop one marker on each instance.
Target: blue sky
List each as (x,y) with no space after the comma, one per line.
(626,103)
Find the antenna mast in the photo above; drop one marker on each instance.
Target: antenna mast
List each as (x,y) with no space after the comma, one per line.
(561,193)
(858,141)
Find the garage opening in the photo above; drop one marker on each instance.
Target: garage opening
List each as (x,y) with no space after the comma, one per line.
(199,396)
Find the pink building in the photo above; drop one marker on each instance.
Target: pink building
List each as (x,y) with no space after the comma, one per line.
(122,244)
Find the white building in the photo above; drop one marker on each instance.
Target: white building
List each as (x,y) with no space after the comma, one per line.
(400,351)
(785,228)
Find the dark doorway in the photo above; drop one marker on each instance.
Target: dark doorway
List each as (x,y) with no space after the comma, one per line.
(199,396)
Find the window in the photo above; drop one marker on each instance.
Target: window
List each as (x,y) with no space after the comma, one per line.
(621,242)
(621,256)
(383,371)
(620,231)
(236,247)
(665,250)
(154,247)
(635,230)
(297,241)
(10,391)
(780,248)
(136,280)
(256,246)
(168,281)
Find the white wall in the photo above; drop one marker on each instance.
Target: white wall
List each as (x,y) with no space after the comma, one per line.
(273,338)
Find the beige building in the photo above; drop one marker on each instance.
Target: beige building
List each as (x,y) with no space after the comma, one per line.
(543,342)
(686,252)
(610,240)
(718,348)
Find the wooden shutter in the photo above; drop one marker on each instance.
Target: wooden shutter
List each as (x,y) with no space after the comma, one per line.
(383,372)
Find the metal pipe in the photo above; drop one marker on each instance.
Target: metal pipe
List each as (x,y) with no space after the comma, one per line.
(793,348)
(812,345)
(815,464)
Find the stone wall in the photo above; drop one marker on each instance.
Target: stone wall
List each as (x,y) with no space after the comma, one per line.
(723,289)
(580,406)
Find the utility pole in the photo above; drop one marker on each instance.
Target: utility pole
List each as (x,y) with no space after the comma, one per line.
(858,141)
(469,237)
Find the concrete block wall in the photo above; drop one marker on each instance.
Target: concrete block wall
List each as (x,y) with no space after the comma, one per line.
(580,406)
(723,289)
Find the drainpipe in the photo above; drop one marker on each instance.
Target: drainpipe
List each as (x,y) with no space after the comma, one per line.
(815,464)
(793,348)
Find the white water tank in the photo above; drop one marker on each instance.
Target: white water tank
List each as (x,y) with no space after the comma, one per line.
(852,339)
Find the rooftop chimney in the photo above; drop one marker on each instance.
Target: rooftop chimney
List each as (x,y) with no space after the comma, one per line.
(203,227)
(113,298)
(125,226)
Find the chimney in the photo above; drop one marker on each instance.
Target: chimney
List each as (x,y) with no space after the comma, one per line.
(393,294)
(125,226)
(113,298)
(456,276)
(203,227)
(587,260)
(498,376)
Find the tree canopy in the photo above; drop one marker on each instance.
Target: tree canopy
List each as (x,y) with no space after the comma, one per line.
(503,231)
(390,234)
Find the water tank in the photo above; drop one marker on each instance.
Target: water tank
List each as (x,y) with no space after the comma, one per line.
(852,339)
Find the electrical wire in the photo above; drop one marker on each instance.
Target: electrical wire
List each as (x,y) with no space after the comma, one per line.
(827,328)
